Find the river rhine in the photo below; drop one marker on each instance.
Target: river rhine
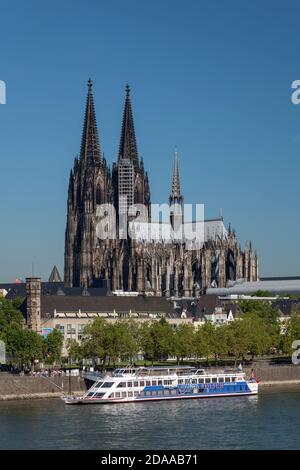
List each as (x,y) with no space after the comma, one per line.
(268,421)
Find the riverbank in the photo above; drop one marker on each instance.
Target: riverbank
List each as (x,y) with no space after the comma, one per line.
(14,387)
(279,383)
(276,375)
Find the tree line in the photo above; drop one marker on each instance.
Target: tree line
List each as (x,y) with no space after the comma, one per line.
(256,332)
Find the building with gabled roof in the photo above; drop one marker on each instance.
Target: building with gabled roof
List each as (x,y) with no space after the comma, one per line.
(55,276)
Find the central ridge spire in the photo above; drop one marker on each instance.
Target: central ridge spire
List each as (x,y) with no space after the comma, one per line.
(175,193)
(128,147)
(90,147)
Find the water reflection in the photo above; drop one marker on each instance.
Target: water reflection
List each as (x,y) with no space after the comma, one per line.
(270,420)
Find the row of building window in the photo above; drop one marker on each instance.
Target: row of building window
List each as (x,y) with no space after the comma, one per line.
(77,333)
(70,330)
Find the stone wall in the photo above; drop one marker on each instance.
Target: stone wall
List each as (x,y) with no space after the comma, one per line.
(276,373)
(15,386)
(25,387)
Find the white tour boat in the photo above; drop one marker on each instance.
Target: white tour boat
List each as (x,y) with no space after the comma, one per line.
(165,383)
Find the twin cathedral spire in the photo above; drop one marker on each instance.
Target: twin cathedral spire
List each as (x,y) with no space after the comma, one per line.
(92,176)
(125,186)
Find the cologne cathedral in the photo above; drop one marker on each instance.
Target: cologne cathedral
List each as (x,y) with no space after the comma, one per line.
(160,267)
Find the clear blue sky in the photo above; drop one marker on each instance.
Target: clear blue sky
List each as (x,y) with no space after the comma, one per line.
(211,77)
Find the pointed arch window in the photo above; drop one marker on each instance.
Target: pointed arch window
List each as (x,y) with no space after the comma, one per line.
(98,195)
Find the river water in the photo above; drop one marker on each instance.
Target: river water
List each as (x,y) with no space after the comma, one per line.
(270,420)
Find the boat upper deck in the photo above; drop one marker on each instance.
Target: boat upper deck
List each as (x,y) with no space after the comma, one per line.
(174,371)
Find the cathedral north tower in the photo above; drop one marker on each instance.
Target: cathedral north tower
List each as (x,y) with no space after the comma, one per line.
(89,185)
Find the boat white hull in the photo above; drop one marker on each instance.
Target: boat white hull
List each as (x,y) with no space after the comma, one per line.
(93,401)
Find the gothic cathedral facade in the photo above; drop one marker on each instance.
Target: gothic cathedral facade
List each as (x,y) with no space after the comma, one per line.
(128,264)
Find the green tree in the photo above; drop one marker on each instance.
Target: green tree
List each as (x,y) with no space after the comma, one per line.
(202,341)
(53,344)
(262,309)
(9,314)
(94,342)
(109,341)
(75,350)
(219,343)
(11,322)
(259,334)
(183,341)
(13,338)
(120,342)
(129,339)
(237,340)
(32,347)
(290,333)
(147,341)
(157,340)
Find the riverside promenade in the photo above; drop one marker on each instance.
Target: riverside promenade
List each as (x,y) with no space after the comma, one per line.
(14,387)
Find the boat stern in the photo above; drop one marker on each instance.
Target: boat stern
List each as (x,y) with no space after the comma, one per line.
(253,386)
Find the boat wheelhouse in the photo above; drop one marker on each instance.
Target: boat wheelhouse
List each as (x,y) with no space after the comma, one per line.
(165,383)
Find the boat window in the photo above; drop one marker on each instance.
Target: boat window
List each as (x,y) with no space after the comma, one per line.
(214,380)
(122,384)
(130,394)
(148,393)
(180,381)
(187,381)
(124,394)
(148,383)
(90,394)
(160,382)
(153,393)
(129,384)
(166,392)
(154,382)
(201,381)
(194,381)
(221,379)
(107,384)
(99,384)
(233,379)
(136,393)
(118,394)
(159,392)
(136,384)
(142,383)
(173,392)
(168,382)
(207,381)
(99,395)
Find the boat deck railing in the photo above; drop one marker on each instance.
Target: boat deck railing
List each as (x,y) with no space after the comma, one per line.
(161,371)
